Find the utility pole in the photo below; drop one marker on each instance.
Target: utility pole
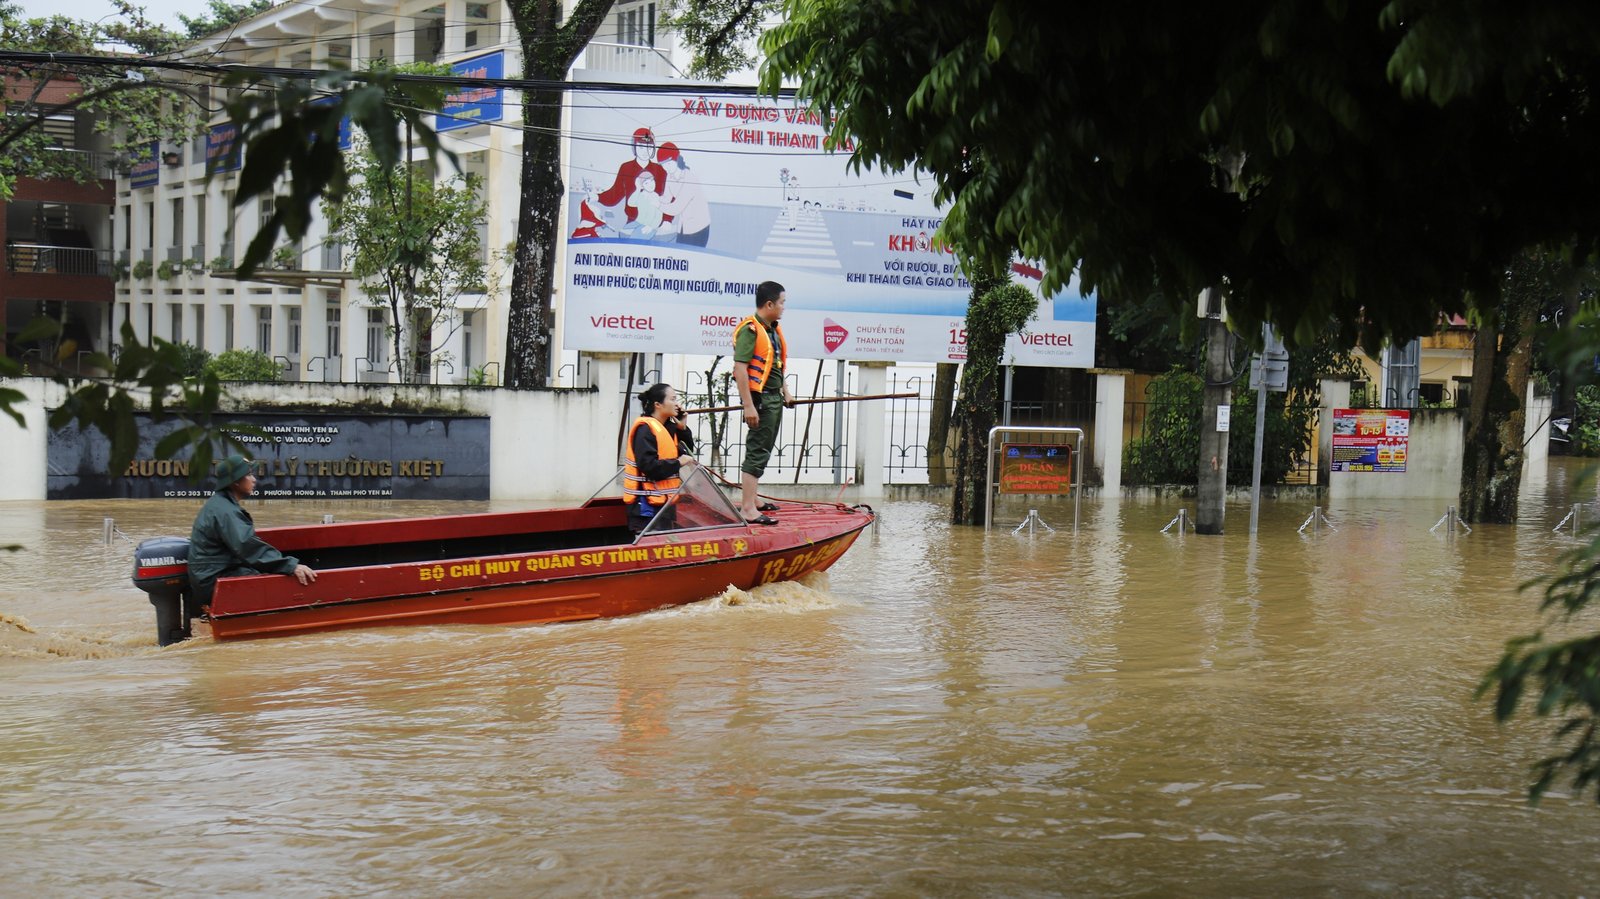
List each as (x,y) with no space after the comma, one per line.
(1214,418)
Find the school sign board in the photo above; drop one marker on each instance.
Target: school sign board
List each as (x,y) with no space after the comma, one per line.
(680,205)
(300,456)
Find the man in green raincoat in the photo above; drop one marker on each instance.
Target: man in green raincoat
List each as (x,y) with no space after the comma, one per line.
(223,542)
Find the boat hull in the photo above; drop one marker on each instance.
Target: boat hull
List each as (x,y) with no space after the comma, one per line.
(575,583)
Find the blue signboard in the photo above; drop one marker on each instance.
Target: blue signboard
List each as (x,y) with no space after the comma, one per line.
(471,104)
(146,172)
(222,154)
(344,123)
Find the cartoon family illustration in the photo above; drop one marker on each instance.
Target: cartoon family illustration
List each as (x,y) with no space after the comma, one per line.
(655,197)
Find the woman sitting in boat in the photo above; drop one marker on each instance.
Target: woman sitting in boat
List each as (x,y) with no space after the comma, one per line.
(658,444)
(223,542)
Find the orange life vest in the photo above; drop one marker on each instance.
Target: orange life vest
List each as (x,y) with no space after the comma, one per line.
(760,364)
(634,484)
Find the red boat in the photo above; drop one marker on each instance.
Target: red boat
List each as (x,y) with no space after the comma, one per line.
(505,567)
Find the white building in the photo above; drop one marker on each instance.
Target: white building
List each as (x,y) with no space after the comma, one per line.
(172,224)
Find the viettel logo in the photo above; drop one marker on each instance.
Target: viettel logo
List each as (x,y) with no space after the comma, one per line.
(833,334)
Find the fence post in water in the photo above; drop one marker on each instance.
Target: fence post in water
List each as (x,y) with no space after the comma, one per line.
(110,526)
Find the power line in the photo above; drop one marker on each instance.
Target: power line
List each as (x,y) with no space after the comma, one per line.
(25,57)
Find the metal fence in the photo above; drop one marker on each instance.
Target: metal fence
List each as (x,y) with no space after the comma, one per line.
(45,259)
(1137,419)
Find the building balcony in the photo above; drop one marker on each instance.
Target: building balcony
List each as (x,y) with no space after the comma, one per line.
(43,259)
(43,272)
(599,56)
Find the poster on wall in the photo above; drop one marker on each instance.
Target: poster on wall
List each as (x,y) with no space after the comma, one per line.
(1370,439)
(680,205)
(298,456)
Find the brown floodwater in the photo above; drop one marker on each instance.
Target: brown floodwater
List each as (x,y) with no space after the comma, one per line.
(947,712)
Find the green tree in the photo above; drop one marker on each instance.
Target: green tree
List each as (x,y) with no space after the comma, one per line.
(243,365)
(416,249)
(1394,160)
(1502,361)
(222,15)
(1165,450)
(130,114)
(998,308)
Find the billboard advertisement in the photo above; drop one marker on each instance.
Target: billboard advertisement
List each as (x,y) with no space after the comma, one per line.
(1371,439)
(680,205)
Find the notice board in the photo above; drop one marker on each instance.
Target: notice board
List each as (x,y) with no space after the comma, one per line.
(1371,439)
(1035,468)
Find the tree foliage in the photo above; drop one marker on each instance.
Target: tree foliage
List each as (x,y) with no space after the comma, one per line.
(1393,161)
(221,14)
(549,46)
(998,308)
(415,248)
(720,33)
(243,365)
(128,114)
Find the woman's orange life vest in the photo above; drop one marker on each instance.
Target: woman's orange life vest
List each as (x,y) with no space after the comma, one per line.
(634,483)
(760,364)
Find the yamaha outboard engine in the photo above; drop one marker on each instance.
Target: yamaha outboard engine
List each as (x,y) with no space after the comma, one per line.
(161,569)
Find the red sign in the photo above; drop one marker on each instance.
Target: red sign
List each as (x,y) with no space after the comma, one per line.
(1035,468)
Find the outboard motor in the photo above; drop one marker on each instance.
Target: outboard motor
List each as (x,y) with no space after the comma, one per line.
(161,569)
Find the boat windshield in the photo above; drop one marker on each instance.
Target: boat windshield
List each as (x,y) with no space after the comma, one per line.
(698,504)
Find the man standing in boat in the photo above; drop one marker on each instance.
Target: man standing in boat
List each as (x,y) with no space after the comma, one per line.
(657,456)
(223,542)
(759,357)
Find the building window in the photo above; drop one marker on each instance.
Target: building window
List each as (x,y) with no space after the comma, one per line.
(227,328)
(177,322)
(335,340)
(176,247)
(294,330)
(637,26)
(376,342)
(199,326)
(469,327)
(264,329)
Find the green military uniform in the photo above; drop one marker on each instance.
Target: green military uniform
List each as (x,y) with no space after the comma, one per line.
(223,543)
(769,403)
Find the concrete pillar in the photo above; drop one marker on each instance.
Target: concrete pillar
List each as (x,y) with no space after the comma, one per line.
(1110,394)
(1212,495)
(314,337)
(607,373)
(1335,395)
(869,428)
(1536,434)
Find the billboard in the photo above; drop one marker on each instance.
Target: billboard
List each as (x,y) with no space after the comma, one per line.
(680,205)
(1371,439)
(146,170)
(222,152)
(471,105)
(297,455)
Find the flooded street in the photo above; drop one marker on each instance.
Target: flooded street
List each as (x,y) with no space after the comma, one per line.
(947,712)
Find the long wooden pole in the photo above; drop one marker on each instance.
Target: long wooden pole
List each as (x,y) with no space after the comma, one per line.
(820,399)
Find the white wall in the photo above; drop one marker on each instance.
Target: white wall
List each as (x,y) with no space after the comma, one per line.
(24,448)
(546,445)
(1433,462)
